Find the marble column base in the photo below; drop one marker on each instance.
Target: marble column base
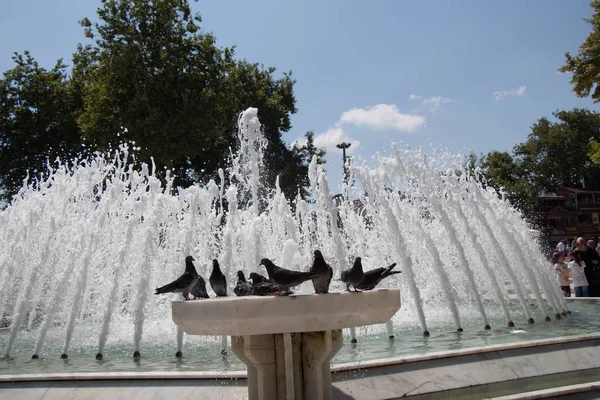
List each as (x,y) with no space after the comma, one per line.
(291,366)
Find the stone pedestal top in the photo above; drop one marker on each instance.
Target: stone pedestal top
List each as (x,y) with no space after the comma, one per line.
(253,315)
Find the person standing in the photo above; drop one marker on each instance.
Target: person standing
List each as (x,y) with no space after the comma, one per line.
(562,275)
(591,259)
(560,247)
(577,268)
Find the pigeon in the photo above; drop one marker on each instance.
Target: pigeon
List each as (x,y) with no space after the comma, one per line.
(258,278)
(184,283)
(284,277)
(268,288)
(199,289)
(324,272)
(353,276)
(374,276)
(242,287)
(217,280)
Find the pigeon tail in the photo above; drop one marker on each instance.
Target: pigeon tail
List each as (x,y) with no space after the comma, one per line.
(168,288)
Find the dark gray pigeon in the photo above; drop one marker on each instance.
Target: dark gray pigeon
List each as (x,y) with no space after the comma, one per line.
(374,276)
(217,280)
(268,288)
(199,289)
(284,277)
(184,283)
(353,276)
(258,278)
(242,287)
(323,271)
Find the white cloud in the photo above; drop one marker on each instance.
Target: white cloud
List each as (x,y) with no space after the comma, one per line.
(434,102)
(502,94)
(332,137)
(382,116)
(437,101)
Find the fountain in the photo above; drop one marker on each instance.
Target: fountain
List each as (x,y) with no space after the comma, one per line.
(85,245)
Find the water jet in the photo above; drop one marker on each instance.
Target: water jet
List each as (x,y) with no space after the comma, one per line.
(102,232)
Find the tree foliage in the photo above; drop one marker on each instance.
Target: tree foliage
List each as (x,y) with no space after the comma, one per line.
(150,75)
(151,72)
(557,153)
(303,153)
(36,121)
(585,66)
(594,152)
(505,174)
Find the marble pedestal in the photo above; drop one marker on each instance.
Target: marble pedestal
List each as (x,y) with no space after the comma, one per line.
(286,342)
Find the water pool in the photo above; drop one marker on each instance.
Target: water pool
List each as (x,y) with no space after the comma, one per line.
(205,354)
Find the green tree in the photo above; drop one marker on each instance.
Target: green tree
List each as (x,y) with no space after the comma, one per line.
(557,153)
(251,85)
(303,155)
(504,173)
(151,70)
(594,153)
(585,66)
(36,121)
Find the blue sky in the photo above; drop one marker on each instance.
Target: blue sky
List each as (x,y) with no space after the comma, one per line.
(463,75)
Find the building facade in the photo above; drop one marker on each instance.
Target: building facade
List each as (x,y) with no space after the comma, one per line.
(569,213)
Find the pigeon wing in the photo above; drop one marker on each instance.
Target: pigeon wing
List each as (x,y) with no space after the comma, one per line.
(178,285)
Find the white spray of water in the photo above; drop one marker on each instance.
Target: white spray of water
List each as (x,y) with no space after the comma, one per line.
(131,235)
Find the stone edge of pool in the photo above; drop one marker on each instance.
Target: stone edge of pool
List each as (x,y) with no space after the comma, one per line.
(336,368)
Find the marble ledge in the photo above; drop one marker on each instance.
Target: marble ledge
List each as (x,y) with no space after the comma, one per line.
(252,315)
(383,362)
(98,376)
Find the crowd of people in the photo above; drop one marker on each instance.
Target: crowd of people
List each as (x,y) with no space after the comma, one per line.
(581,262)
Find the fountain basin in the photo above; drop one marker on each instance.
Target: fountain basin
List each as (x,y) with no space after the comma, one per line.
(253,315)
(287,342)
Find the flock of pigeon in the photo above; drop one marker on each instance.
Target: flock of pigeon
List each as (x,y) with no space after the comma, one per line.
(279,281)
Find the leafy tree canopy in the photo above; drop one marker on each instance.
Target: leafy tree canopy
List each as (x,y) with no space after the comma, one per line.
(557,153)
(150,75)
(585,66)
(36,121)
(504,173)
